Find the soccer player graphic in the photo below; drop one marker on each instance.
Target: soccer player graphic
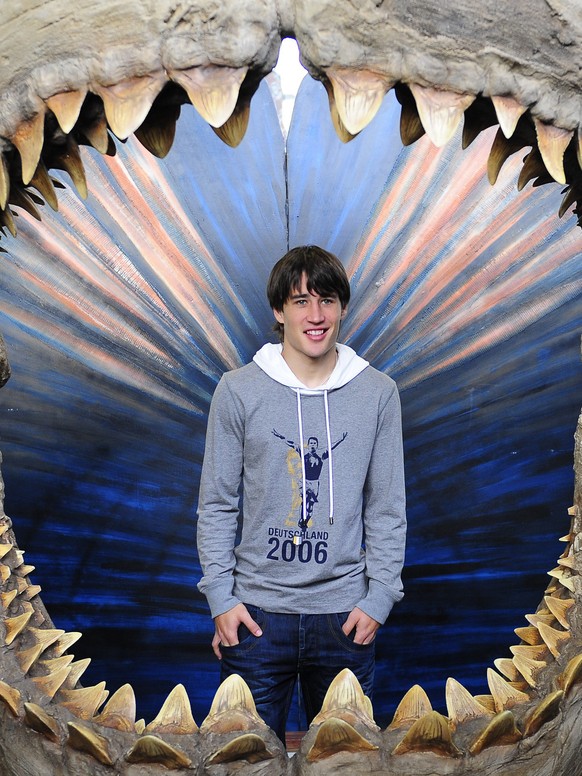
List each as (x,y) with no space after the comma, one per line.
(313,463)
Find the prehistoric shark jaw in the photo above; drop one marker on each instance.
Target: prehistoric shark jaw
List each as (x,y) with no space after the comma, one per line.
(107,70)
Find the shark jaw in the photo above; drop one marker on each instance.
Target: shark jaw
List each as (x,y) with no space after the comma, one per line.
(214,57)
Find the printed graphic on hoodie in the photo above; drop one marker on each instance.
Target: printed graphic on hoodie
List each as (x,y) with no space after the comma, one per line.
(308,486)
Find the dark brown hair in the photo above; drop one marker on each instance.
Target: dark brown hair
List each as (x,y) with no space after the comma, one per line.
(325,275)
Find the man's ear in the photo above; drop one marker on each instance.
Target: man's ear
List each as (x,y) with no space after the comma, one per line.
(344,312)
(278,316)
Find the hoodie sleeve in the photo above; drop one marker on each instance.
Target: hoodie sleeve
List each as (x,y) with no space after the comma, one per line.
(218,505)
(385,514)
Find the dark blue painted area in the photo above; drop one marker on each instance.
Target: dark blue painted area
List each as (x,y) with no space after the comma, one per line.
(101,477)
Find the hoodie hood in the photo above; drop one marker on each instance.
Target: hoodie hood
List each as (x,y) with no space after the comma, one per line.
(269,358)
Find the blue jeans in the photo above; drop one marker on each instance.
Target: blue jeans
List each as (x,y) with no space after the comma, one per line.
(311,646)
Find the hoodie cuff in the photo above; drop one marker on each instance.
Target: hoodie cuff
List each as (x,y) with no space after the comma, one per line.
(379,601)
(220,598)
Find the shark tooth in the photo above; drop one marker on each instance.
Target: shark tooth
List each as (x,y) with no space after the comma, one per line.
(336,735)
(212,90)
(96,133)
(411,128)
(8,597)
(31,591)
(504,695)
(564,577)
(65,641)
(7,220)
(560,607)
(509,111)
(46,636)
(358,95)
(529,668)
(345,693)
(341,131)
(22,199)
(501,731)
(569,562)
(4,182)
(233,708)
(554,639)
(572,674)
(543,712)
(11,697)
(249,747)
(488,701)
(119,712)
(140,726)
(234,129)
(27,657)
(77,669)
(414,705)
(28,139)
(66,107)
(440,111)
(507,667)
(544,616)
(151,749)
(84,702)
(533,167)
(158,131)
(83,739)
(128,102)
(15,625)
(5,549)
(461,705)
(58,672)
(69,159)
(429,734)
(175,716)
(530,635)
(21,586)
(501,150)
(38,719)
(41,182)
(552,142)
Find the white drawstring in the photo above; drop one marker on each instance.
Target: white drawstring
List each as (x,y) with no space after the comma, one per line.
(302,456)
(329,453)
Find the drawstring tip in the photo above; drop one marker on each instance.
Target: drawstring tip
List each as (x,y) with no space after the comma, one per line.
(331,519)
(296,540)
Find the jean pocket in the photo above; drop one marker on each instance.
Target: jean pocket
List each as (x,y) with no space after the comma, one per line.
(336,622)
(246,639)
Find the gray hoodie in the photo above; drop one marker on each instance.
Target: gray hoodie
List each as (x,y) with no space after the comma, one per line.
(323,526)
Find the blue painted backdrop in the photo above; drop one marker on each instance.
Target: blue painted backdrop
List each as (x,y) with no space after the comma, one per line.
(121,313)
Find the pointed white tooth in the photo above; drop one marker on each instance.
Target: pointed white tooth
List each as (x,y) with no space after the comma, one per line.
(66,106)
(4,182)
(509,112)
(358,95)
(440,111)
(212,90)
(552,142)
(29,138)
(128,103)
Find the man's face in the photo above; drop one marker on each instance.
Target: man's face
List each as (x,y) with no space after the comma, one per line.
(311,323)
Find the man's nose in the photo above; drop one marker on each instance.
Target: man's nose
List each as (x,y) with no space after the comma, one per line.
(316,311)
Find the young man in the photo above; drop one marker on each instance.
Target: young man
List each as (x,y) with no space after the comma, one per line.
(317,568)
